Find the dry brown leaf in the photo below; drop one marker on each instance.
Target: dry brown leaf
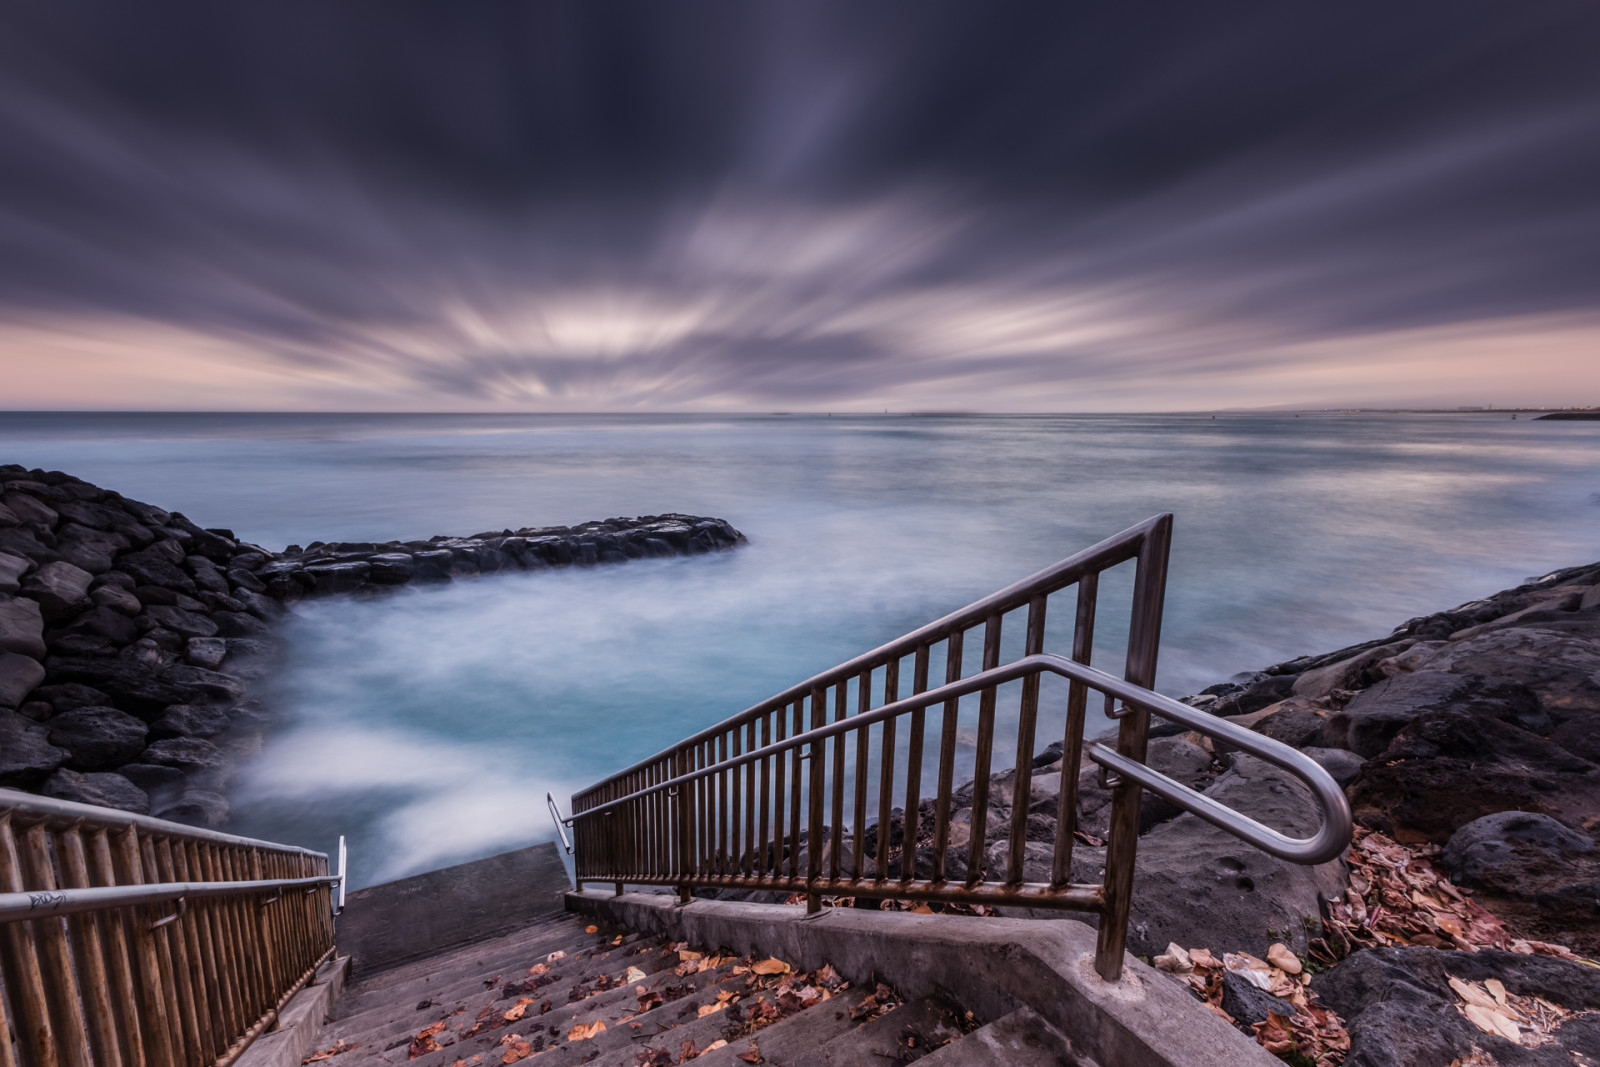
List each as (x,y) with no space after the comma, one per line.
(1283,959)
(338,1048)
(771,966)
(1497,990)
(591,929)
(516,1050)
(634,974)
(718,1043)
(583,1032)
(558,954)
(1492,1022)
(538,968)
(1175,960)
(684,955)
(753,1055)
(518,1009)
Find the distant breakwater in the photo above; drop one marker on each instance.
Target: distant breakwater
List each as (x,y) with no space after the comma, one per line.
(129,635)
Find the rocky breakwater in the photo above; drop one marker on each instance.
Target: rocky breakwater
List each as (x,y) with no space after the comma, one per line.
(129,635)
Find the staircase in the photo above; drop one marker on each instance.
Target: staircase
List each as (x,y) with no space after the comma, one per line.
(567,991)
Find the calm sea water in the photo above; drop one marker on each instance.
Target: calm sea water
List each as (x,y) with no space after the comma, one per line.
(428,726)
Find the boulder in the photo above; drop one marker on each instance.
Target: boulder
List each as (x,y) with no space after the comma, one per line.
(207,652)
(187,754)
(159,781)
(21,627)
(338,577)
(1249,1004)
(93,550)
(97,738)
(102,789)
(391,568)
(1296,722)
(30,510)
(181,622)
(1198,885)
(94,516)
(26,755)
(204,687)
(37,710)
(114,626)
(240,624)
(1341,764)
(198,807)
(206,575)
(117,599)
(69,695)
(1400,1009)
(1447,768)
(1540,877)
(61,589)
(144,688)
(19,675)
(1356,672)
(158,565)
(12,568)
(1369,723)
(191,720)
(21,541)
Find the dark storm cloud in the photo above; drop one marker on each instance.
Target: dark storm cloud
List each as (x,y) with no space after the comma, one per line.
(668,203)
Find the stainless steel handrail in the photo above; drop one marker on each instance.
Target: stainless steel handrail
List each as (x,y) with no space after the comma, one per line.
(32,808)
(555,813)
(15,907)
(1328,843)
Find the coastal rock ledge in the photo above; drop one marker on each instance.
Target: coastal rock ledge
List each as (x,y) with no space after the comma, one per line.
(129,634)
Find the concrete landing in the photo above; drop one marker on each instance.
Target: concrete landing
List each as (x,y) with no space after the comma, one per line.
(386,925)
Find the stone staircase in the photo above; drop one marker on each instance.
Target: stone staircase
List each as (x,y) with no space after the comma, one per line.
(565,990)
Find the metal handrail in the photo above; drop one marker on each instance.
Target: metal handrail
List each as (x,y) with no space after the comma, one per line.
(15,907)
(1330,841)
(30,807)
(555,813)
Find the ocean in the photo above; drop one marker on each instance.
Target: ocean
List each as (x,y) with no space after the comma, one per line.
(427,726)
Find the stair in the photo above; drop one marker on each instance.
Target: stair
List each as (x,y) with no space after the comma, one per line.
(564,991)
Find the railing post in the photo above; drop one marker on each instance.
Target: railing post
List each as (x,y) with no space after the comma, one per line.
(1144,637)
(819,716)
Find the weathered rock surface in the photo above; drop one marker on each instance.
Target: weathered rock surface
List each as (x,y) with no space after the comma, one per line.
(1537,874)
(1368,724)
(97,738)
(21,627)
(27,757)
(19,675)
(104,788)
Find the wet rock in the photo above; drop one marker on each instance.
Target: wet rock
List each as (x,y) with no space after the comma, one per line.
(27,757)
(203,686)
(1356,672)
(191,720)
(185,623)
(240,624)
(103,789)
(21,627)
(1370,722)
(1399,1008)
(1447,768)
(391,568)
(338,577)
(1341,764)
(19,675)
(192,755)
(1249,1004)
(198,807)
(61,589)
(133,686)
(205,573)
(12,568)
(1259,694)
(157,565)
(1198,885)
(97,738)
(117,599)
(207,652)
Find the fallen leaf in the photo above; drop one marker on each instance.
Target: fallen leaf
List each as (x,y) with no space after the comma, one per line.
(718,1043)
(558,954)
(770,966)
(634,975)
(518,1009)
(684,955)
(538,968)
(1471,994)
(1280,957)
(754,1055)
(1175,960)
(591,929)
(582,1032)
(1497,990)
(617,940)
(1492,1022)
(338,1048)
(517,1050)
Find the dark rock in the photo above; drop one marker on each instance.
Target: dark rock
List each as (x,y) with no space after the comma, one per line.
(153,778)
(206,575)
(21,541)
(179,621)
(1248,1004)
(26,755)
(157,565)
(104,622)
(1355,672)
(1498,852)
(1370,722)
(164,640)
(391,568)
(1296,723)
(1176,757)
(61,589)
(191,720)
(102,789)
(37,710)
(21,627)
(31,510)
(1562,669)
(83,644)
(215,602)
(1198,885)
(210,686)
(19,675)
(94,516)
(1448,768)
(1261,694)
(71,695)
(117,599)
(97,738)
(207,652)
(262,607)
(157,594)
(113,578)
(1399,1008)
(144,689)
(240,578)
(1341,764)
(240,624)
(433,565)
(338,577)
(198,807)
(1049,755)
(12,568)
(188,754)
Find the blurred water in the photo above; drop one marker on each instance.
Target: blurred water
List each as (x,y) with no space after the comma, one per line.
(427,726)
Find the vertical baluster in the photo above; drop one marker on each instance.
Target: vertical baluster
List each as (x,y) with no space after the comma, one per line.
(1072,739)
(763,799)
(1133,733)
(98,998)
(858,829)
(814,797)
(749,801)
(266,928)
(224,937)
(60,976)
(779,797)
(114,928)
(176,954)
(187,931)
(685,816)
(919,720)
(841,696)
(796,787)
(886,761)
(8,1054)
(36,1034)
(736,810)
(1027,717)
(242,909)
(163,1041)
(722,807)
(979,840)
(949,726)
(702,756)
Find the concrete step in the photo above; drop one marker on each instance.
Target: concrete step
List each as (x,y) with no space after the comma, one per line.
(536,939)
(784,1042)
(903,1035)
(1020,1039)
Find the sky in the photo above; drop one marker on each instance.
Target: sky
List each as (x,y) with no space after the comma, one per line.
(840,205)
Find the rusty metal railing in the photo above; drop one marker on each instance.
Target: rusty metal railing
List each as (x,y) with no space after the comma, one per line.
(126,940)
(759,801)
